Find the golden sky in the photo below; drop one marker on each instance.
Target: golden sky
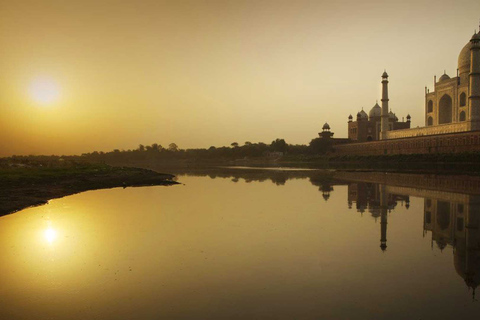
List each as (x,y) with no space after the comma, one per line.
(79,76)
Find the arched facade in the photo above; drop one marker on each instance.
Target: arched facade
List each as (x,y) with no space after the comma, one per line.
(448,102)
(445,110)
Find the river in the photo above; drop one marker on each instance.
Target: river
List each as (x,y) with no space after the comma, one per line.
(243,243)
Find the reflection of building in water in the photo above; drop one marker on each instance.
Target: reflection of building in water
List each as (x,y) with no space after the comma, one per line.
(451,210)
(455,220)
(326,189)
(367,197)
(375,198)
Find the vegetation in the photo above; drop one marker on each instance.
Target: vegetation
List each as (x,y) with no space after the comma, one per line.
(248,150)
(28,181)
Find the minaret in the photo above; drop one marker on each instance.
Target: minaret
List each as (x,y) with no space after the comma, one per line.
(384,119)
(474,97)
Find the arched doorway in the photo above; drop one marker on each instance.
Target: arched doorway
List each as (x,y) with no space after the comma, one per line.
(462,116)
(430,121)
(463,99)
(445,110)
(430,106)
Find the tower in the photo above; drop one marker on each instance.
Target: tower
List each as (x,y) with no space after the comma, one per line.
(326,133)
(474,83)
(384,117)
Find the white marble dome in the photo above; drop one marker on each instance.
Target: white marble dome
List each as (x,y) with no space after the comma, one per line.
(464,57)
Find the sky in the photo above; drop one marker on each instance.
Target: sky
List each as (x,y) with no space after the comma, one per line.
(83,76)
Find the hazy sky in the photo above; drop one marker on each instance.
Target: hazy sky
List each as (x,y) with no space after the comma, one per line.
(79,76)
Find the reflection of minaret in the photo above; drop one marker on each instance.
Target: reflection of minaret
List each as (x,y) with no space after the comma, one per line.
(383,217)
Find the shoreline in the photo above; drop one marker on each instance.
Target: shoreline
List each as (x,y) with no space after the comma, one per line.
(24,187)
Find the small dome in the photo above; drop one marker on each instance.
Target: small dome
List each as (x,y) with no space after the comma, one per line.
(376,111)
(391,115)
(350,117)
(443,77)
(409,117)
(385,74)
(362,114)
(326,126)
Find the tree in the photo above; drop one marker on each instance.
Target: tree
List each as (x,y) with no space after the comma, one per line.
(234,144)
(173,147)
(141,148)
(320,146)
(156,147)
(279,145)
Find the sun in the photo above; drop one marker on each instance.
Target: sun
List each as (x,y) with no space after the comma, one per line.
(44,91)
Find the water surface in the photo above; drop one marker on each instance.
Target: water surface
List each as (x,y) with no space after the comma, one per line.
(243,245)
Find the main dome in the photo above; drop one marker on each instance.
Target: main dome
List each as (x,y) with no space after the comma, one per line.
(464,59)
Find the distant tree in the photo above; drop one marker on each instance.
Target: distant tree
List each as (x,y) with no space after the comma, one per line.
(156,147)
(248,143)
(320,146)
(141,148)
(173,147)
(279,145)
(234,144)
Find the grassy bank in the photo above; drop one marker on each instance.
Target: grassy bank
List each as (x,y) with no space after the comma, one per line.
(28,184)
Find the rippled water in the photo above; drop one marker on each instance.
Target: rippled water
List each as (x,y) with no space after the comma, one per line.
(248,245)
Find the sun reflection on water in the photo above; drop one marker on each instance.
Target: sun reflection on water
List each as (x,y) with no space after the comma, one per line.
(50,235)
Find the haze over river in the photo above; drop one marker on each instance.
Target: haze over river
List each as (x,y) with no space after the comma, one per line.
(249,244)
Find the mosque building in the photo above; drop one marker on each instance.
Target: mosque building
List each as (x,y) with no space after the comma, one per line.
(368,127)
(452,115)
(453,105)
(456,100)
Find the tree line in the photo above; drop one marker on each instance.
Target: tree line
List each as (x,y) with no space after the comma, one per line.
(277,148)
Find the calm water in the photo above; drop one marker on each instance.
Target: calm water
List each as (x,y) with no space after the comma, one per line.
(238,244)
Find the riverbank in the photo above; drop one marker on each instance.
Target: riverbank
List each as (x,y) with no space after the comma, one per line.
(25,185)
(467,163)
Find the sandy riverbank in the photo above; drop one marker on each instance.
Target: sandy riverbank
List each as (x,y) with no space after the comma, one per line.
(25,186)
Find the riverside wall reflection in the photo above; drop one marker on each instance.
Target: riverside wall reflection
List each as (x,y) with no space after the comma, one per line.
(451,204)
